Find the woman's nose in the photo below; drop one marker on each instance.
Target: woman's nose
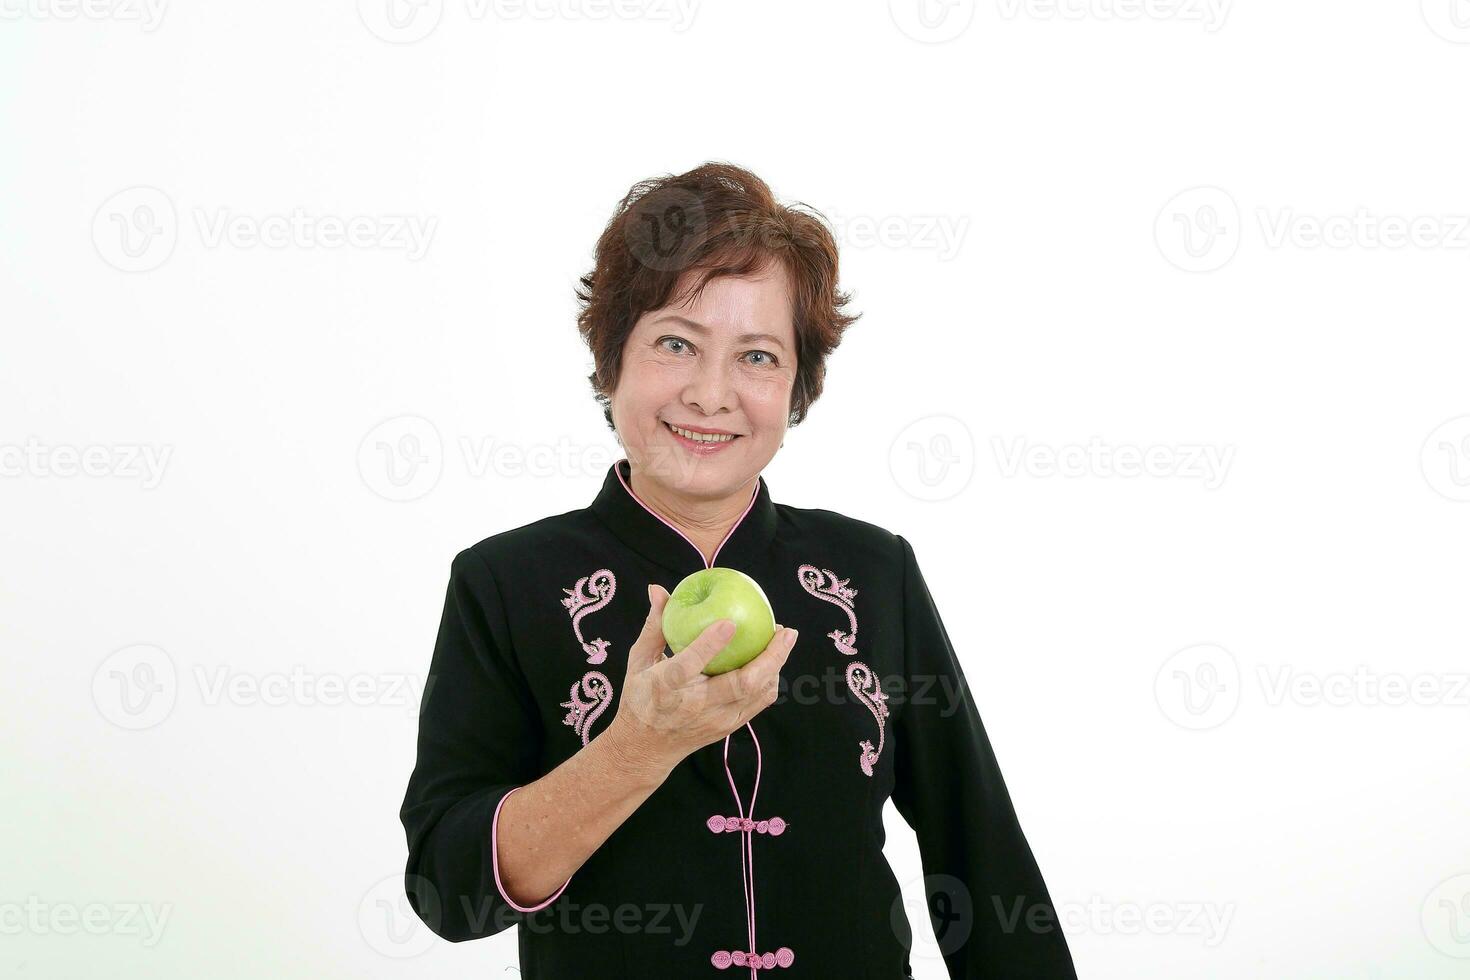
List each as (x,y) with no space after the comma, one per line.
(710,389)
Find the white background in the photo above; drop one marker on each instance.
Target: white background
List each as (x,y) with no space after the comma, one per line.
(1185,231)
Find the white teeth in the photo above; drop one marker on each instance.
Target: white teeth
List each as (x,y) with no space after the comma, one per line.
(698,436)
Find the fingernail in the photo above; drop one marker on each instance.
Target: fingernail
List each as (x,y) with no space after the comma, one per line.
(793,634)
(725,629)
(650,593)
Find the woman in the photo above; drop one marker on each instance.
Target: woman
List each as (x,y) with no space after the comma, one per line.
(635,816)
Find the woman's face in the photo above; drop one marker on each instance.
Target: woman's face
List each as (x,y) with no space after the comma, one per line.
(724,363)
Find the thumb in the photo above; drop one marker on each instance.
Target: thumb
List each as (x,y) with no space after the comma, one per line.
(648,649)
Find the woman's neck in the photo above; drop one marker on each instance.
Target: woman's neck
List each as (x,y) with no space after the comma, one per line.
(704,522)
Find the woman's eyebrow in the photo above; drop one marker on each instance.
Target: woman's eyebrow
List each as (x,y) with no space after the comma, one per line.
(700,328)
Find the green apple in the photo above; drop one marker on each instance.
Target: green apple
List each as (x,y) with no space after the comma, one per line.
(713,594)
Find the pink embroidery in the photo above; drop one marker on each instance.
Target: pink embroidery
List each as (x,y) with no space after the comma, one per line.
(859,679)
(825,585)
(584,598)
(581,714)
(723,959)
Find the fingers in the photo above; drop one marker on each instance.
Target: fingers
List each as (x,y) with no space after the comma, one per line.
(689,663)
(761,675)
(648,649)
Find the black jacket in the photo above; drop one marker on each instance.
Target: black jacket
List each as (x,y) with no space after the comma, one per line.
(531,650)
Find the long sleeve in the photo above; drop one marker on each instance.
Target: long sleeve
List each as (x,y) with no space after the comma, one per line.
(950,791)
(479,741)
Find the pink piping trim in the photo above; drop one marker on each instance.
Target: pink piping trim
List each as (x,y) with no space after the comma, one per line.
(747,878)
(495,862)
(748,857)
(711,562)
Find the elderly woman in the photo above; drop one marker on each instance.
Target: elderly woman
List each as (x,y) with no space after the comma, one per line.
(635,815)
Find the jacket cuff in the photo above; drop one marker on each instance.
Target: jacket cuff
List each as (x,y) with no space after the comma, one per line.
(495,862)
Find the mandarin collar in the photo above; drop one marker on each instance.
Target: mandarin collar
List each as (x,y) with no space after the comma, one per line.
(643,530)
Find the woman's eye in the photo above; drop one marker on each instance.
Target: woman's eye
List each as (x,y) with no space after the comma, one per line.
(769,358)
(667,341)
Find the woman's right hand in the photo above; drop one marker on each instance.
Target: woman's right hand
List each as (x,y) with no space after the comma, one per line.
(669,707)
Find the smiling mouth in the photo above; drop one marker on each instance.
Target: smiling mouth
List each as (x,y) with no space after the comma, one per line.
(699,436)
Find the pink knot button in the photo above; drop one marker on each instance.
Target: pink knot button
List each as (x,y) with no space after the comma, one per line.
(729,825)
(723,959)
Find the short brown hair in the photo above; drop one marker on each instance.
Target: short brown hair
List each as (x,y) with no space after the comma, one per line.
(721,220)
